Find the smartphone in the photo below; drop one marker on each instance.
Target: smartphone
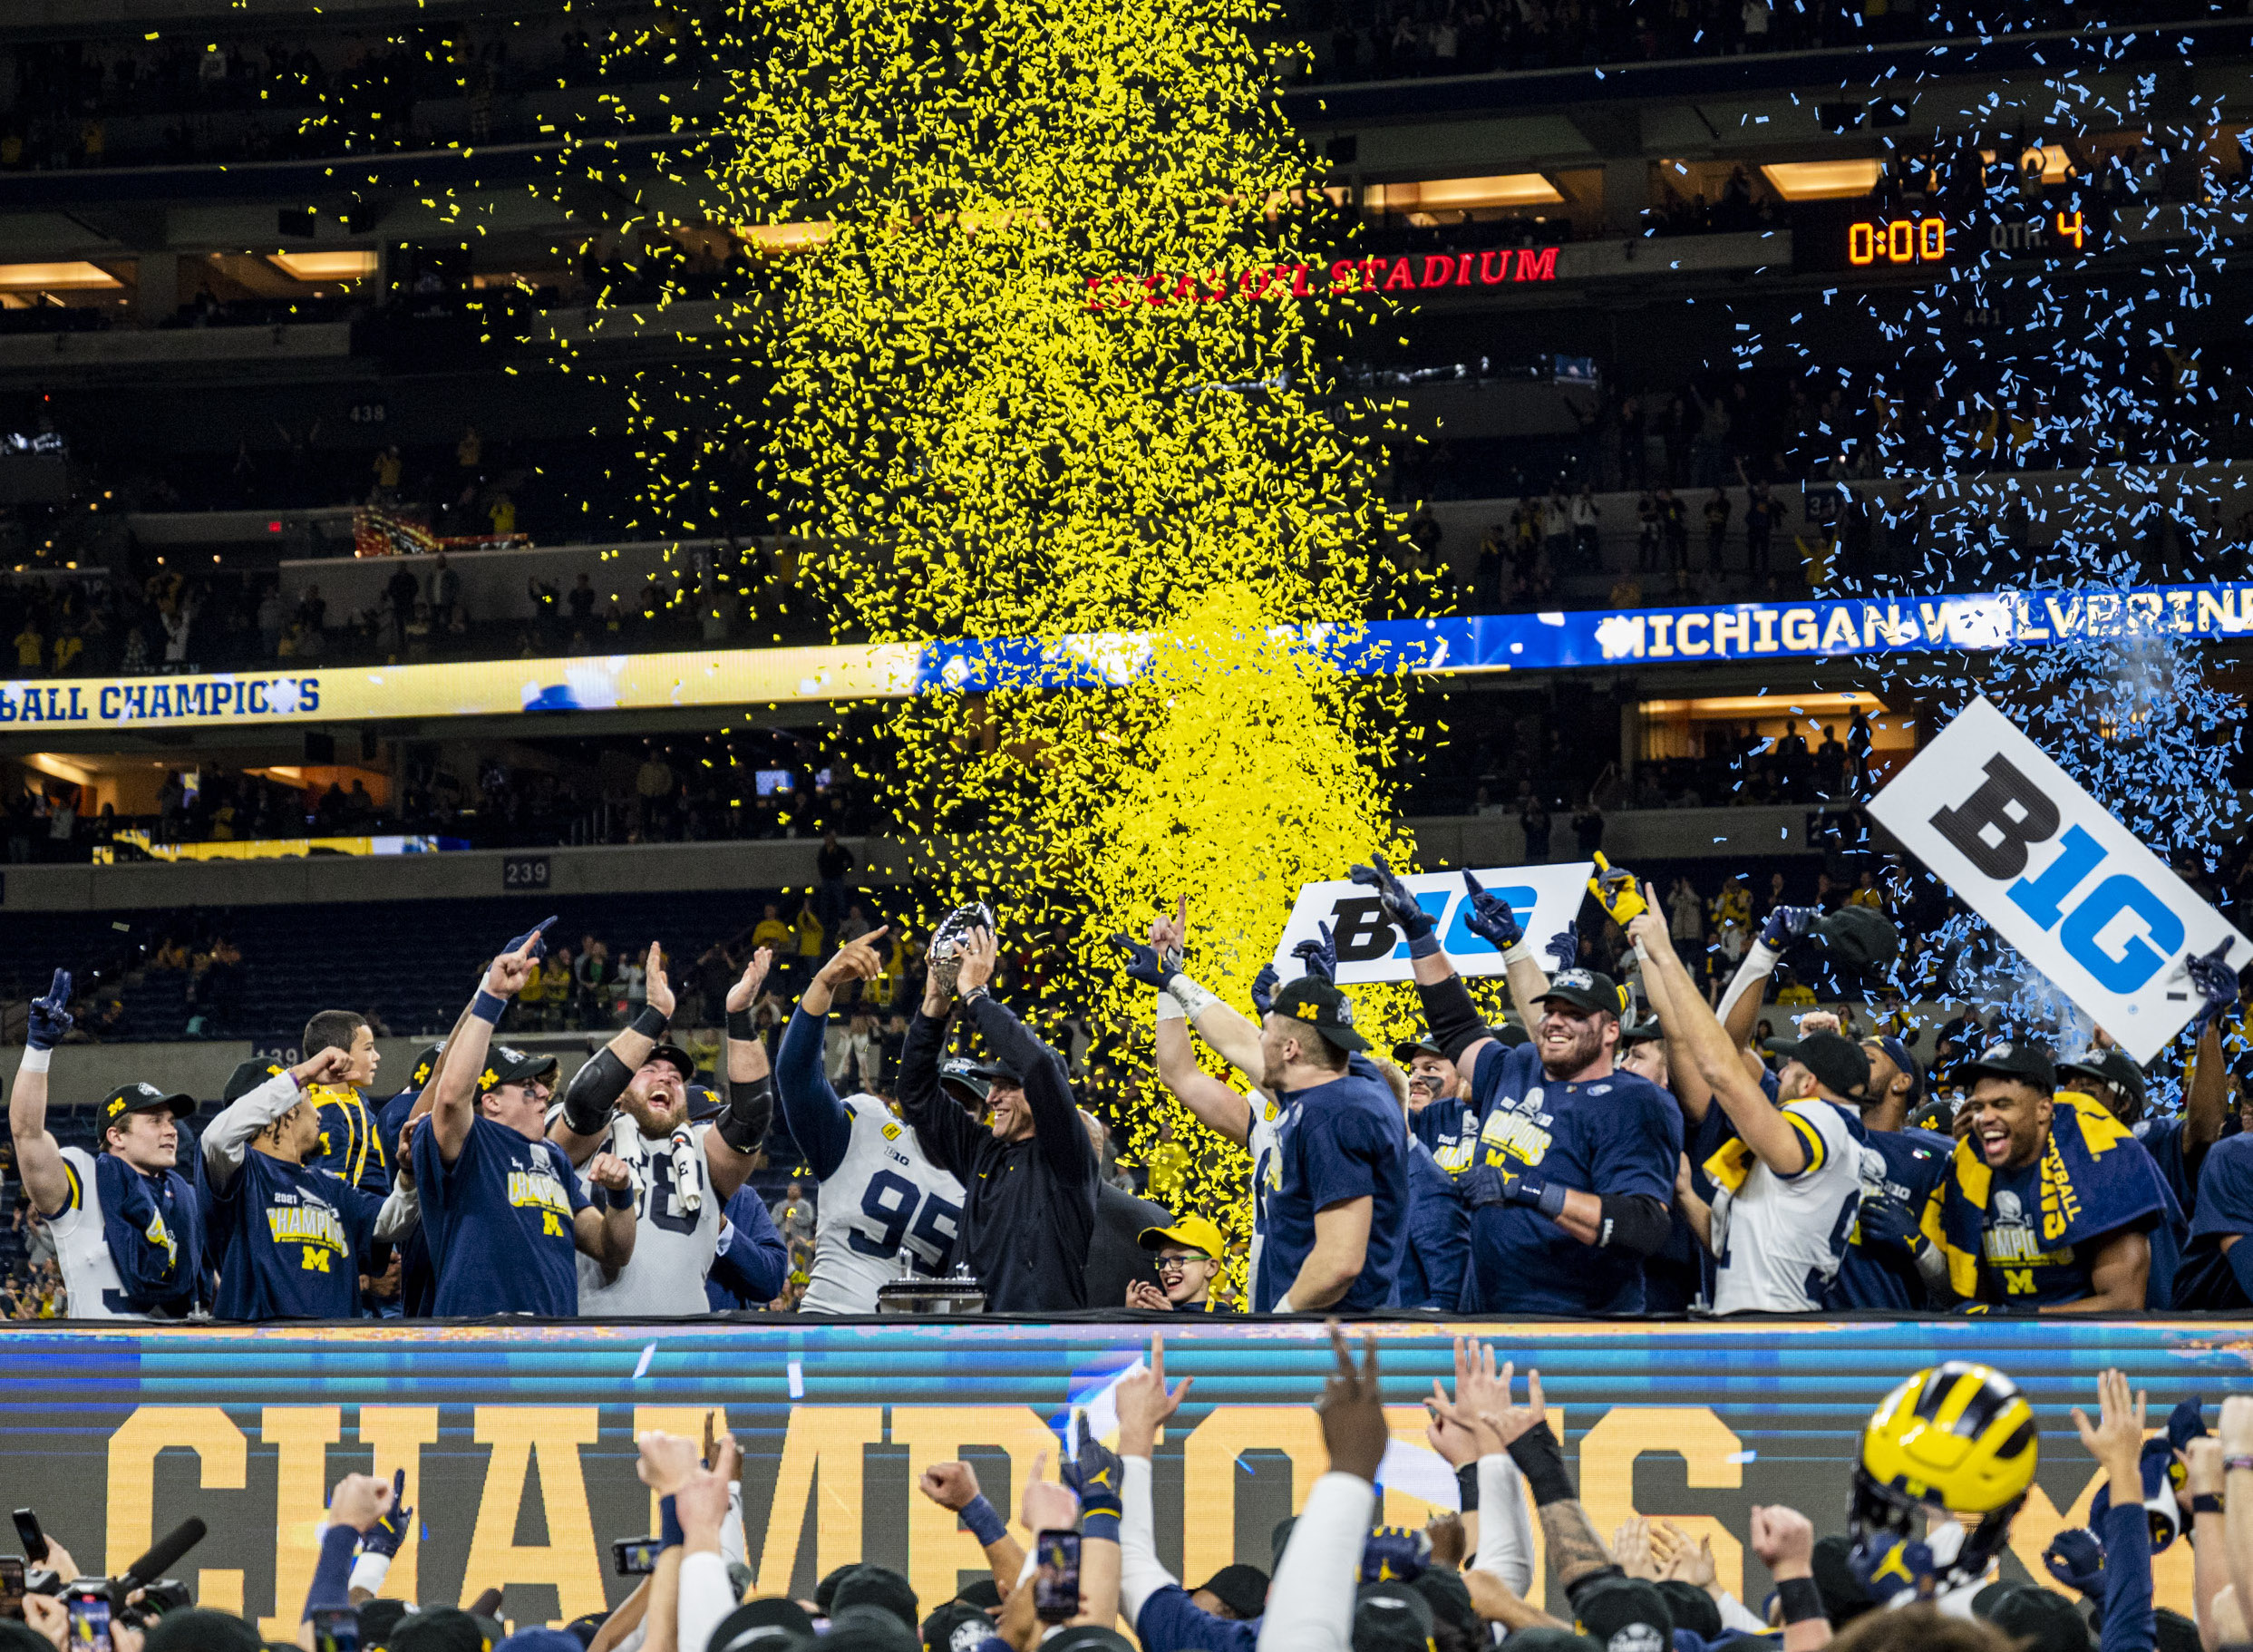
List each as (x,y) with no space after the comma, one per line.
(1056,1580)
(34,1540)
(635,1557)
(11,1589)
(90,1622)
(336,1628)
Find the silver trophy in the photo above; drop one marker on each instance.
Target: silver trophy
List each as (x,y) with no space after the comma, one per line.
(946,941)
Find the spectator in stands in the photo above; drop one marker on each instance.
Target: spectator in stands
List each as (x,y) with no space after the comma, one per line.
(654,785)
(835,863)
(793,1217)
(1534,820)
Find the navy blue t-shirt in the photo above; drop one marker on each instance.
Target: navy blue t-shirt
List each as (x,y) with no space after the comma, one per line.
(1439,1236)
(1336,1142)
(1449,1129)
(289,1240)
(1170,1621)
(499,1220)
(2210,1278)
(1905,1165)
(2162,1139)
(1615,1135)
(1683,1270)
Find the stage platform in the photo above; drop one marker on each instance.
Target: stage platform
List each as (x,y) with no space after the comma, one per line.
(518,1438)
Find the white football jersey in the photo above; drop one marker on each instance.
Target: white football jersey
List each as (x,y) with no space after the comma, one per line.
(673,1244)
(1779,1241)
(1260,1144)
(89,1280)
(885,1197)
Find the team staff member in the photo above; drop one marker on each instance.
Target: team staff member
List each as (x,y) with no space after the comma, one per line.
(291,1238)
(1577,1156)
(501,1203)
(1190,1254)
(351,1142)
(1031,1172)
(128,1232)
(2048,1206)
(631,1101)
(1440,1114)
(1337,1185)
(882,1197)
(1900,1167)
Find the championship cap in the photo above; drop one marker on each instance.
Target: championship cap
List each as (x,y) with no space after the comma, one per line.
(144,1098)
(1589,989)
(2029,1064)
(1320,1005)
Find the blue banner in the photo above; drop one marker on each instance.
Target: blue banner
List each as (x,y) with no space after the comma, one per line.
(518,1440)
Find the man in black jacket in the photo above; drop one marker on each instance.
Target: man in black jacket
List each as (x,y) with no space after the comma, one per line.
(1029,1174)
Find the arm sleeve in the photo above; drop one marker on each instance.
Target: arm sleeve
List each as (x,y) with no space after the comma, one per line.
(1449,1012)
(1311,1608)
(1634,1222)
(401,1209)
(941,1126)
(706,1598)
(593,1093)
(2130,1625)
(1141,1572)
(1733,1615)
(1505,1526)
(816,1120)
(227,1137)
(1047,1091)
(332,1573)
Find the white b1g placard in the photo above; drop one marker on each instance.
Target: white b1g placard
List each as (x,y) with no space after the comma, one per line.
(1369,948)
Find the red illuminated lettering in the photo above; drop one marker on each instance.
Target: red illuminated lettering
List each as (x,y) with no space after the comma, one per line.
(1538,267)
(1438,270)
(1344,275)
(1493,267)
(1404,276)
(1299,278)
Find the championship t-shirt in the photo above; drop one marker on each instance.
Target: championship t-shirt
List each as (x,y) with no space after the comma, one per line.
(1612,1136)
(1905,1166)
(498,1222)
(1337,1141)
(289,1240)
(1450,1129)
(2212,1276)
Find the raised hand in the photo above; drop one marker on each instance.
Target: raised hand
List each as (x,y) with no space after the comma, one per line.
(1170,936)
(950,1485)
(2216,981)
(537,935)
(610,1170)
(1145,1297)
(51,1017)
(1680,1558)
(1093,1472)
(655,982)
(1319,954)
(666,1461)
(1144,1403)
(1351,1409)
(391,1528)
(980,954)
(1048,1506)
(1490,917)
(1513,1421)
(1563,950)
(1786,925)
(326,1067)
(856,960)
(1392,896)
(1784,1540)
(359,1501)
(2116,1439)
(2075,1557)
(745,992)
(1263,989)
(1142,963)
(1632,1549)
(1614,890)
(517,965)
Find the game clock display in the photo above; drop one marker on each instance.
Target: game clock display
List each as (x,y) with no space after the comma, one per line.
(1853,236)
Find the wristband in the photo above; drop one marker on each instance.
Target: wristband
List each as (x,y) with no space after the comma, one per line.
(1425,946)
(370,1569)
(740,1026)
(971,994)
(1283,1305)
(1541,1460)
(984,1522)
(1191,996)
(1170,1007)
(2206,1502)
(1523,953)
(616,1198)
(651,1023)
(487,1007)
(669,1533)
(1802,1601)
(34,1060)
(1467,1487)
(2231,1465)
(1101,1522)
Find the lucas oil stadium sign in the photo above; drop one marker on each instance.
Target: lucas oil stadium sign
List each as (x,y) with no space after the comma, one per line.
(1552,641)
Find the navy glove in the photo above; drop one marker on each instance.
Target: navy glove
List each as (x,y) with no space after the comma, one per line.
(1887,1224)
(537,935)
(2217,984)
(1786,925)
(50,1017)
(1490,917)
(386,1535)
(1887,1566)
(1480,1186)
(1564,948)
(1546,1197)
(1320,955)
(1094,1473)
(1394,1554)
(1393,897)
(2186,1422)
(1263,989)
(2076,1560)
(1142,963)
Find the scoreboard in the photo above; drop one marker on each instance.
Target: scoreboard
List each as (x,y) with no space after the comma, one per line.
(1843,236)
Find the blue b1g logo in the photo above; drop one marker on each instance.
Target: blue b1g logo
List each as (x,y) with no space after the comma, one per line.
(1996,827)
(1362,933)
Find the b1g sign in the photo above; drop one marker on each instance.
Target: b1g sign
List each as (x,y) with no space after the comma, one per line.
(2086,903)
(518,1440)
(1369,948)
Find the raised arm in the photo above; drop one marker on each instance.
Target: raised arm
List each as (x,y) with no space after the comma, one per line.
(227,1137)
(1047,1090)
(605,1230)
(450,1096)
(948,1135)
(731,1146)
(38,1156)
(2205,1099)
(1713,1053)
(591,1098)
(1215,1104)
(1456,1027)
(1691,1091)
(954,1486)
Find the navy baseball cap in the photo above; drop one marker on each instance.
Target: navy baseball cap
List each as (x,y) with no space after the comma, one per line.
(1320,1005)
